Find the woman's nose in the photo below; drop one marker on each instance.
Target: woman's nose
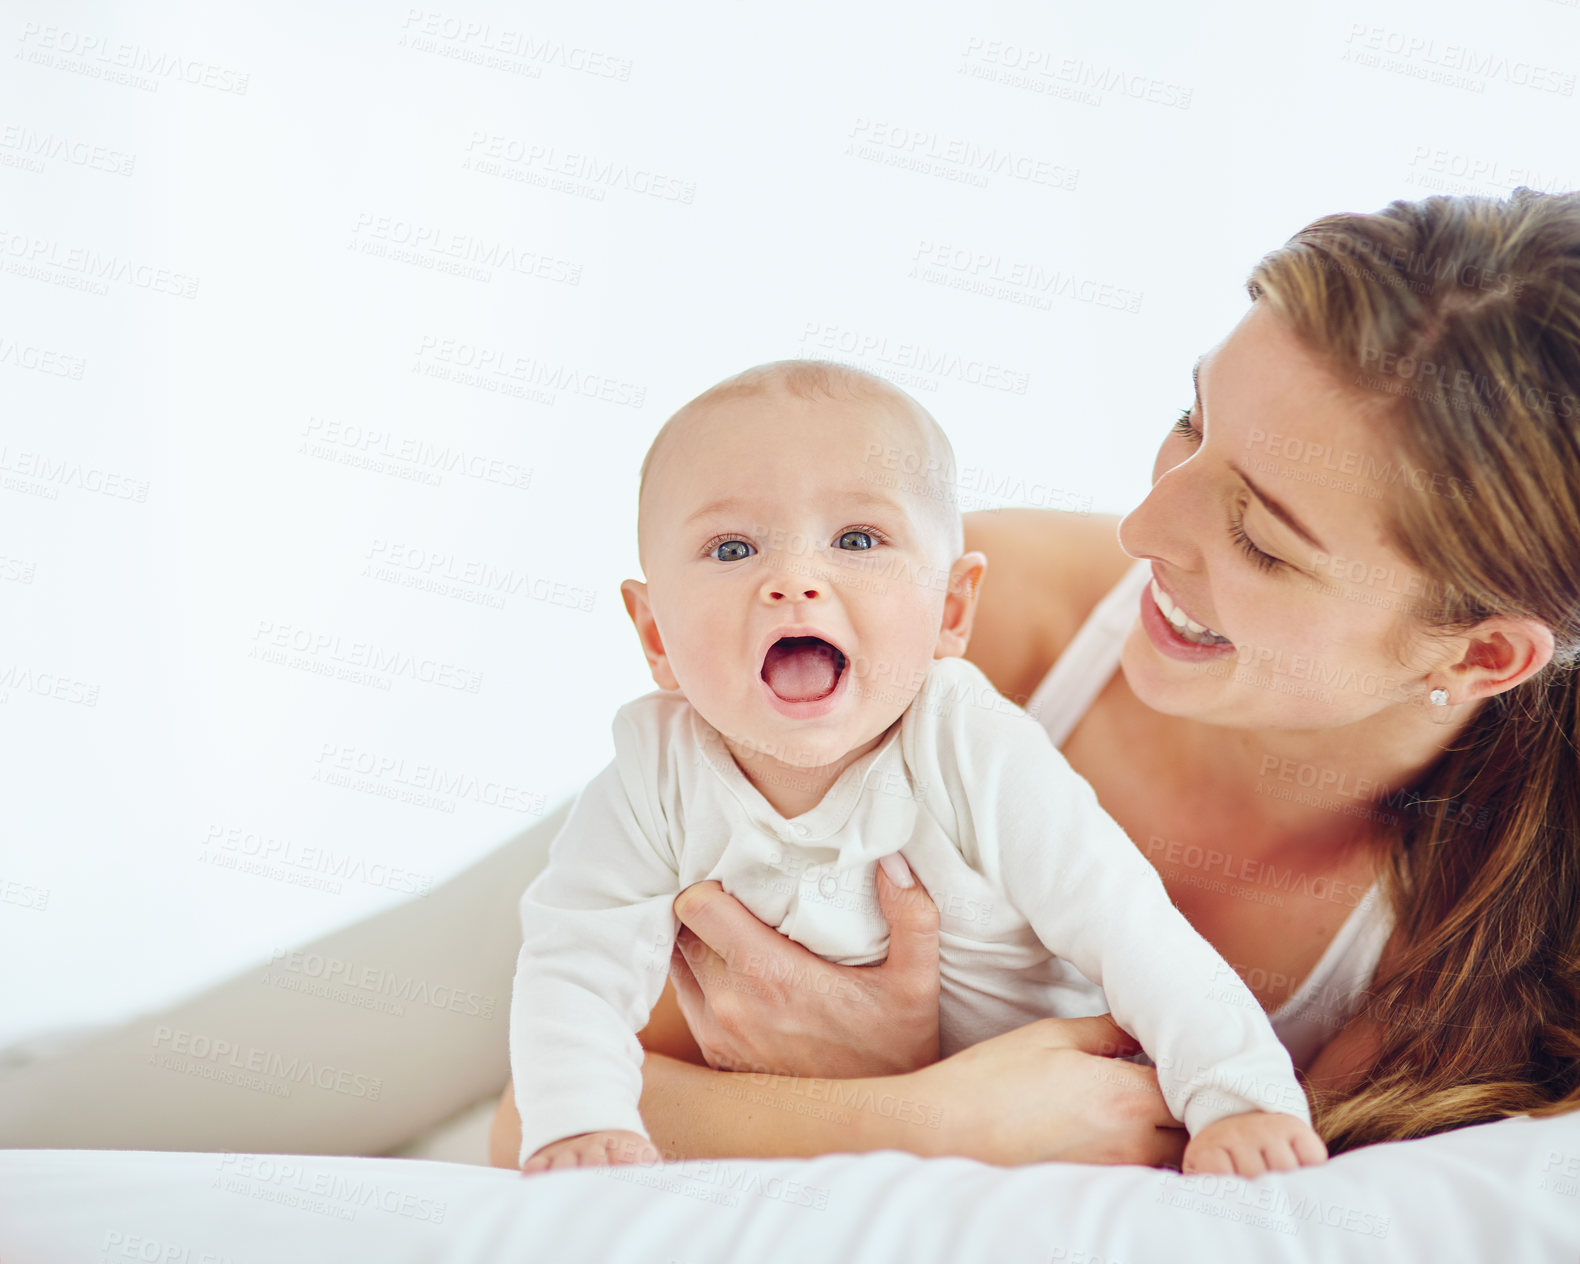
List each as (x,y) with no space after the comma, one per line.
(1166,525)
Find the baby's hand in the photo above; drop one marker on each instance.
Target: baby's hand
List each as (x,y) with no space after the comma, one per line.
(592,1149)
(1250,1144)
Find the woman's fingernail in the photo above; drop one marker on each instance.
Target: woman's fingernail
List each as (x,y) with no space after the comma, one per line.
(899,872)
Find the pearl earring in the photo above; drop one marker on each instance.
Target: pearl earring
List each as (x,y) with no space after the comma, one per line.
(1439,697)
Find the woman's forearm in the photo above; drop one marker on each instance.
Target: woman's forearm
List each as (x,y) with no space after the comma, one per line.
(1050,1090)
(694,1112)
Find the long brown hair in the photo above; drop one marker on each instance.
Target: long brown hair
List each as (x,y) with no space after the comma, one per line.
(1467,311)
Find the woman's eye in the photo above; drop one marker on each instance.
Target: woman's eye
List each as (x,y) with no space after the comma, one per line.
(855,540)
(1184,429)
(1263,561)
(732,550)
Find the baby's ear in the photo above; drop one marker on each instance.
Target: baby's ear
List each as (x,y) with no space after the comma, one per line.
(634,593)
(960,604)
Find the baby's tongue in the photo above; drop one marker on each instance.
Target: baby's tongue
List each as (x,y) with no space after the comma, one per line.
(800,668)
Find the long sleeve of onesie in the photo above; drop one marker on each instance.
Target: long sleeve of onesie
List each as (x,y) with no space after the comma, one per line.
(1035,826)
(598,925)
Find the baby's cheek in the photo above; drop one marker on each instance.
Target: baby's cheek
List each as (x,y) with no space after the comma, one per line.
(706,675)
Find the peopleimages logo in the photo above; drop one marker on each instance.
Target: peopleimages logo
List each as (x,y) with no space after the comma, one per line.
(42,360)
(40,147)
(117,61)
(295,858)
(429,30)
(383,660)
(339,973)
(1013,280)
(271,1178)
(186,1046)
(919,358)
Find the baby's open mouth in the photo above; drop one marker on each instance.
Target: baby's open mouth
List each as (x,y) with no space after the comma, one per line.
(802,668)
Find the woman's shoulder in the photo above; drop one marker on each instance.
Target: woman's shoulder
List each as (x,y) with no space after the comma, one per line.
(1047,570)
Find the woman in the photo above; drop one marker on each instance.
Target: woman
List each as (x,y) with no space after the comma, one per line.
(1347,619)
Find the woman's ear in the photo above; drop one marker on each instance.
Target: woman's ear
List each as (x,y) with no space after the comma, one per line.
(634,593)
(1498,654)
(960,605)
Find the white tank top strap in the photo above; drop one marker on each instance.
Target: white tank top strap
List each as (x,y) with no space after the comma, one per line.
(1332,991)
(1079,674)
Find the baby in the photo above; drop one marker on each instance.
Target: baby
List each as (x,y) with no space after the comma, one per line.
(804,616)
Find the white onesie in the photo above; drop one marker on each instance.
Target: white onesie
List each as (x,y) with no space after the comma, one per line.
(1036,887)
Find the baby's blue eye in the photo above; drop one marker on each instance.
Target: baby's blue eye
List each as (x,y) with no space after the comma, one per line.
(733,550)
(855,540)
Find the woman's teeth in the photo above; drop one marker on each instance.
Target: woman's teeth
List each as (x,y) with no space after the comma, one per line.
(1188,628)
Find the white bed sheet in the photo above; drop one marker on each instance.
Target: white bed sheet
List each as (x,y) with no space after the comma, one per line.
(1506,1192)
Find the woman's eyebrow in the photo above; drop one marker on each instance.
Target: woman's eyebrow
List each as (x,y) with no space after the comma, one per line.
(1274,507)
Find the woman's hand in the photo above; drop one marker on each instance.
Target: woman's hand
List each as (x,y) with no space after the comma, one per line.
(758,1001)
(1053,1090)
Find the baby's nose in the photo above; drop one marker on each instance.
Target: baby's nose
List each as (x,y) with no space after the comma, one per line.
(782,592)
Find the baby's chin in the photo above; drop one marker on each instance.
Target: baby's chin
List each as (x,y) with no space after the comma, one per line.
(799,743)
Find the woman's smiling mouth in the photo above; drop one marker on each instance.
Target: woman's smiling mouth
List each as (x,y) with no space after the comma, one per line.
(1188,628)
(1170,629)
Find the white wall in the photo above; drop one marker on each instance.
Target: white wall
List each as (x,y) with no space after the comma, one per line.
(179,441)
